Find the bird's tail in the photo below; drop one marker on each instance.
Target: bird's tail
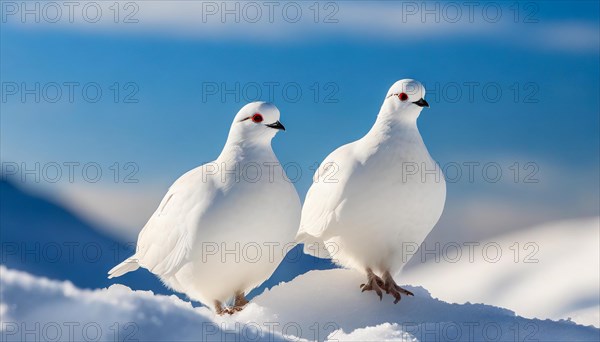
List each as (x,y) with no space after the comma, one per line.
(130,264)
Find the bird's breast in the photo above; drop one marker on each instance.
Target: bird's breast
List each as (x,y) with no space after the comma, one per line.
(396,185)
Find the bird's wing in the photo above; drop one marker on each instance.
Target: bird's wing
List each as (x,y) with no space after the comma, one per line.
(325,198)
(169,234)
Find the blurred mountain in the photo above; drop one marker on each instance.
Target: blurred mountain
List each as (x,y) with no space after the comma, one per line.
(43,238)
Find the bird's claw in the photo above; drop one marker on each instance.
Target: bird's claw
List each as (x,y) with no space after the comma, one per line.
(233,310)
(374,283)
(394,289)
(406,292)
(240,303)
(390,289)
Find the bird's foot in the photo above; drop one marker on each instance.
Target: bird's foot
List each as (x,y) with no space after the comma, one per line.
(240,303)
(219,310)
(232,310)
(374,283)
(240,300)
(390,287)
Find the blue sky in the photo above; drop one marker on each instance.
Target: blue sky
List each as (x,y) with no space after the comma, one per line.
(170,56)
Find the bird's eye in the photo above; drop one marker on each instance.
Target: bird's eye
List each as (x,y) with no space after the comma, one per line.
(403,97)
(257,118)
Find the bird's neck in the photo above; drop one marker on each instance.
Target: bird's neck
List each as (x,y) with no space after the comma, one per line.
(246,150)
(393,125)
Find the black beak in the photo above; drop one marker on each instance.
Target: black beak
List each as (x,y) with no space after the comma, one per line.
(422,103)
(276,125)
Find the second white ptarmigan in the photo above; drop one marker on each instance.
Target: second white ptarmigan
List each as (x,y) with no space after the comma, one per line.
(223,228)
(373,200)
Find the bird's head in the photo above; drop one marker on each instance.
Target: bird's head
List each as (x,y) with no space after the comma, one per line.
(406,99)
(256,122)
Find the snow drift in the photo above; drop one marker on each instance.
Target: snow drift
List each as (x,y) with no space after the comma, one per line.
(547,271)
(319,305)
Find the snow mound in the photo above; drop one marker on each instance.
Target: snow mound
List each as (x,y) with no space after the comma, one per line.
(325,303)
(547,271)
(319,305)
(38,309)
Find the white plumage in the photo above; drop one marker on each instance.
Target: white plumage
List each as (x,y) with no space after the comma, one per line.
(374,197)
(223,227)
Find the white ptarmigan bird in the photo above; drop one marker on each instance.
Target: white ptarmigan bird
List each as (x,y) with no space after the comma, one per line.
(223,227)
(377,195)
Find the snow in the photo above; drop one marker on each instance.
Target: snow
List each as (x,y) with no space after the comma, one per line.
(42,309)
(547,271)
(319,305)
(382,332)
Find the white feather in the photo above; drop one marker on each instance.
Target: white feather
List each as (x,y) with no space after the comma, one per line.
(223,204)
(371,208)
